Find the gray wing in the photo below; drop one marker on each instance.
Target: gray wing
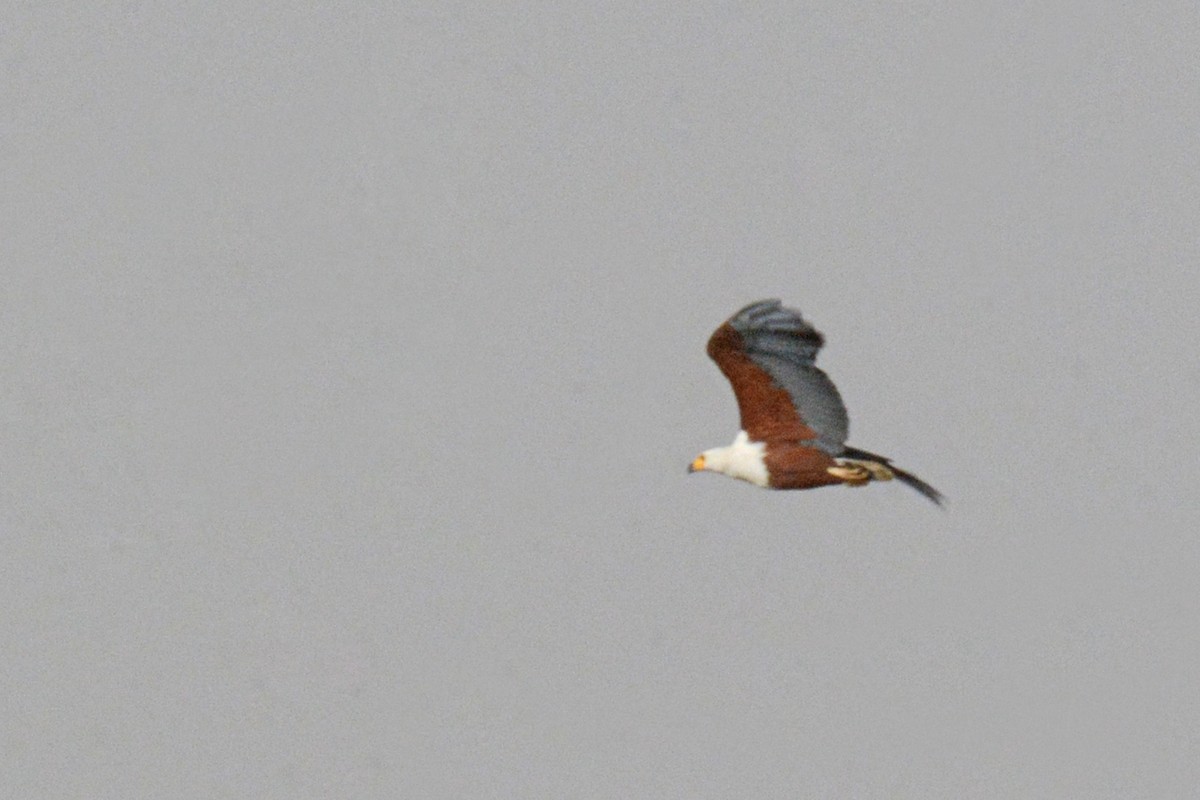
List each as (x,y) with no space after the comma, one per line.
(779,341)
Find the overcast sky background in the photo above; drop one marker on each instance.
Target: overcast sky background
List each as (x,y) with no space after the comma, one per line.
(353,357)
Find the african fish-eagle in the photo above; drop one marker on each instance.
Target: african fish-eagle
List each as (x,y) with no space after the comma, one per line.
(794,424)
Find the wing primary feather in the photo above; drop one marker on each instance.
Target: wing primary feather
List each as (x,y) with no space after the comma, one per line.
(907,478)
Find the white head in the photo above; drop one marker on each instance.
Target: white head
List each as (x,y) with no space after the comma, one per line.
(743,460)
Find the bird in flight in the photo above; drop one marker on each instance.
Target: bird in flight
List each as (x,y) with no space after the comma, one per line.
(794,424)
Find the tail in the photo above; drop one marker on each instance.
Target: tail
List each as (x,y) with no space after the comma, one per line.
(906,478)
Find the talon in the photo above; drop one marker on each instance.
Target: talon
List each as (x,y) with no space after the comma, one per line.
(851,474)
(859,473)
(879,472)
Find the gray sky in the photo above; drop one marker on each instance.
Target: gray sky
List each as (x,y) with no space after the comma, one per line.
(353,360)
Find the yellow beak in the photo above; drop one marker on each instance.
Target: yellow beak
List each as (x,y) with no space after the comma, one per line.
(697,465)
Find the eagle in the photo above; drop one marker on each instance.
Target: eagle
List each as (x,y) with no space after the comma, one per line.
(794,424)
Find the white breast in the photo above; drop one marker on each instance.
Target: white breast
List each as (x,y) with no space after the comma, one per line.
(743,460)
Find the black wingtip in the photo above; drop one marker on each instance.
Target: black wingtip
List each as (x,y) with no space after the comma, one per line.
(908,479)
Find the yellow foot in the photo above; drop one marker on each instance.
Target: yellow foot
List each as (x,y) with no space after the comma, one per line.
(851,474)
(859,473)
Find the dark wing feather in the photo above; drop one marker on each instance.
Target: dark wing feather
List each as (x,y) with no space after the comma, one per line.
(905,477)
(782,345)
